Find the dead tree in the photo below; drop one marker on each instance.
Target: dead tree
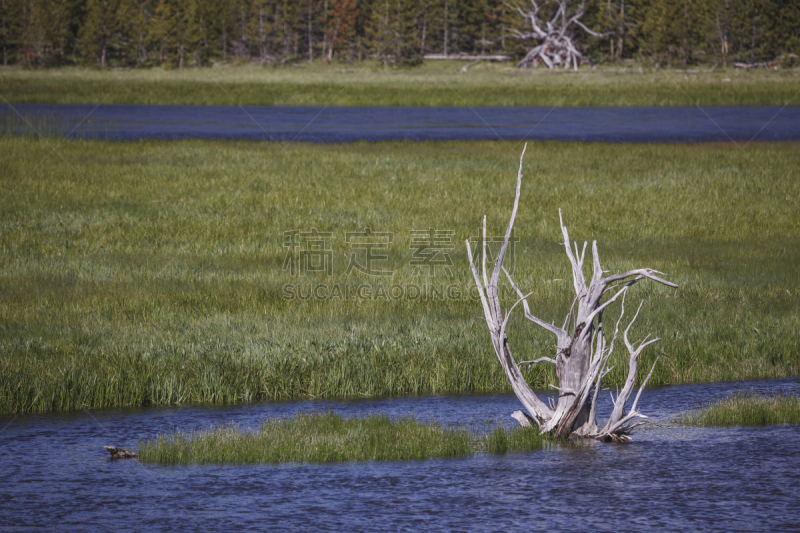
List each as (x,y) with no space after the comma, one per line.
(554,35)
(582,350)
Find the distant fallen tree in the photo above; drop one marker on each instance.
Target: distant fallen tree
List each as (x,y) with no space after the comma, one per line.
(748,66)
(582,352)
(554,35)
(466,57)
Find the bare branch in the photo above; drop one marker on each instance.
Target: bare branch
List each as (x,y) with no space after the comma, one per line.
(564,390)
(616,328)
(483,266)
(600,309)
(643,272)
(644,384)
(486,310)
(616,420)
(625,333)
(508,315)
(498,262)
(587,30)
(577,274)
(549,327)
(568,319)
(540,360)
(597,271)
(516,289)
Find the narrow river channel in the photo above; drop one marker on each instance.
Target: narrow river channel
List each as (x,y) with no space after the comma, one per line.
(353,124)
(54,474)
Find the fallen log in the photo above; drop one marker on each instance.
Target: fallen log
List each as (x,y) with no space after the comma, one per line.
(748,66)
(465,57)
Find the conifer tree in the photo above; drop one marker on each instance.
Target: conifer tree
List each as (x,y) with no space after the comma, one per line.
(158,37)
(192,32)
(98,29)
(309,27)
(10,28)
(379,31)
(472,25)
(239,29)
(184,31)
(678,30)
(133,23)
(341,25)
(785,34)
(407,32)
(259,30)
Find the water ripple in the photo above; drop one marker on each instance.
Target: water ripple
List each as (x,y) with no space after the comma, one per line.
(56,475)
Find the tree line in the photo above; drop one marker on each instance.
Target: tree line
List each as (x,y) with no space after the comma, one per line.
(185,33)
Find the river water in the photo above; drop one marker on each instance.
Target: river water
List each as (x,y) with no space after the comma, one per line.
(351,124)
(54,474)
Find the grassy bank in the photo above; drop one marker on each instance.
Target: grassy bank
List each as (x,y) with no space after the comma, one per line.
(329,438)
(152,273)
(746,410)
(433,84)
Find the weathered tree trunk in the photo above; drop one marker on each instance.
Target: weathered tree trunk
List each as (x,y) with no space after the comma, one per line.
(582,352)
(555,35)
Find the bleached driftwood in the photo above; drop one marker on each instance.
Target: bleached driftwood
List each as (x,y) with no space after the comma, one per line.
(582,352)
(555,46)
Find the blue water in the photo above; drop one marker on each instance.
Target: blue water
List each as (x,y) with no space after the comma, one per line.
(351,124)
(54,474)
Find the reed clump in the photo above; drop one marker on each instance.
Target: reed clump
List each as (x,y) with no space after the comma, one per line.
(29,126)
(502,440)
(329,438)
(746,409)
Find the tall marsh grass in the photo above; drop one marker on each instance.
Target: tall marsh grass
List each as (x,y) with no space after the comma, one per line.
(433,84)
(29,126)
(152,273)
(514,439)
(746,409)
(329,438)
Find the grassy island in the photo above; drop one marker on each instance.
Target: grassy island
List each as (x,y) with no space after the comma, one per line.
(746,409)
(330,438)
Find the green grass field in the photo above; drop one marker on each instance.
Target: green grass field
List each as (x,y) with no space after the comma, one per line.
(151,273)
(329,438)
(433,84)
(745,409)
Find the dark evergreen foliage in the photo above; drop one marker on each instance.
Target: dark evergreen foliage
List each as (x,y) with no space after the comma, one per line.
(184,33)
